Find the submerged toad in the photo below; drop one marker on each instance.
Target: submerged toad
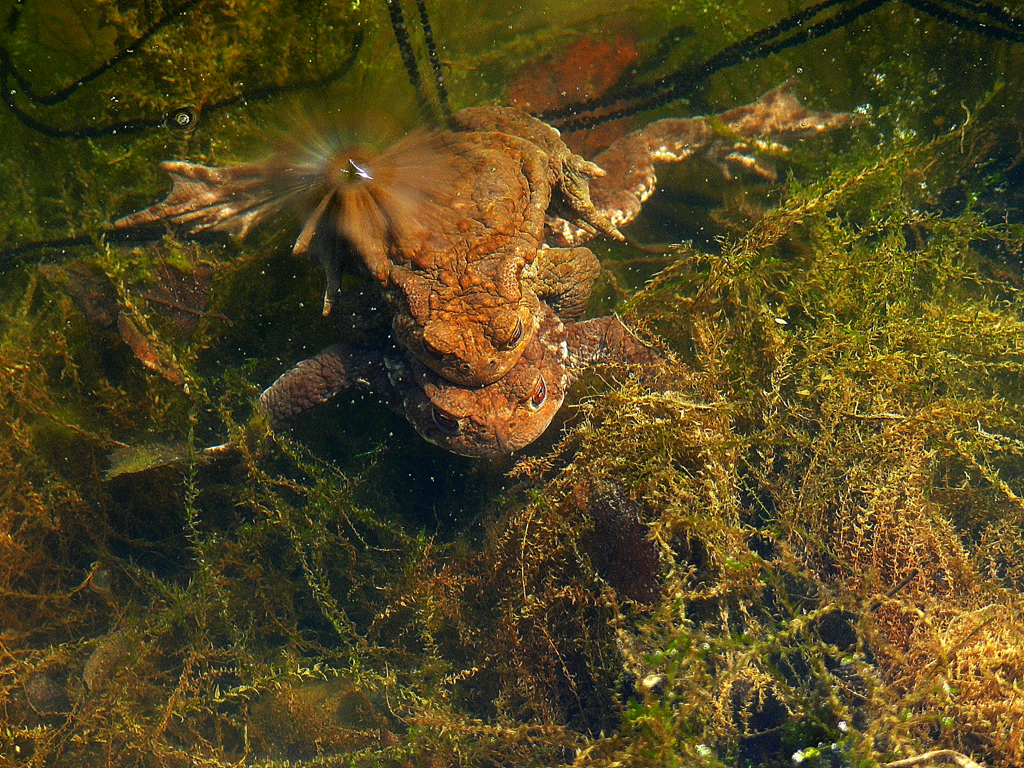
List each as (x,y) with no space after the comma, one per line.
(455,225)
(484,421)
(448,223)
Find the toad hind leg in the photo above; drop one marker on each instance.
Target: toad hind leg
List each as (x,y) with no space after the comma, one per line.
(320,378)
(728,140)
(745,137)
(606,341)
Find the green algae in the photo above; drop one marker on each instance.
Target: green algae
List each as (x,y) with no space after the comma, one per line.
(832,484)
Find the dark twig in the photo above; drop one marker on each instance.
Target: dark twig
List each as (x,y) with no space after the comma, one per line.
(61,95)
(998,24)
(979,17)
(11,257)
(787,33)
(409,57)
(137,125)
(428,36)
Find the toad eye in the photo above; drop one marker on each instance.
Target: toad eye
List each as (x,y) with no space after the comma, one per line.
(433,351)
(540,393)
(517,334)
(444,420)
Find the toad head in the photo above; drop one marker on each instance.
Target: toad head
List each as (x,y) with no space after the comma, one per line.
(471,334)
(501,417)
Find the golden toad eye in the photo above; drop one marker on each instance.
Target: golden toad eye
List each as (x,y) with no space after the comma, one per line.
(540,393)
(444,420)
(517,334)
(433,351)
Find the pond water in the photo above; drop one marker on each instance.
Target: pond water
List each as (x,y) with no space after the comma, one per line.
(799,543)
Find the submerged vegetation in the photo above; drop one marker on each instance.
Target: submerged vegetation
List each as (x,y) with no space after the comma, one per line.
(810,544)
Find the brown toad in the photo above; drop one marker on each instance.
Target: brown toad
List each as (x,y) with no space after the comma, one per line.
(473,421)
(452,224)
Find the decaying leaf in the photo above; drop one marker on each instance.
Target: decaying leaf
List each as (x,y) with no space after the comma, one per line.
(91,289)
(179,288)
(180,297)
(144,351)
(133,459)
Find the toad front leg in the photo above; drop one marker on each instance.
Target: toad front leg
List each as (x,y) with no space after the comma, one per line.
(564,279)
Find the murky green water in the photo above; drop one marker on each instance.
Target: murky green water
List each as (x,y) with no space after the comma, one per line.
(805,549)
